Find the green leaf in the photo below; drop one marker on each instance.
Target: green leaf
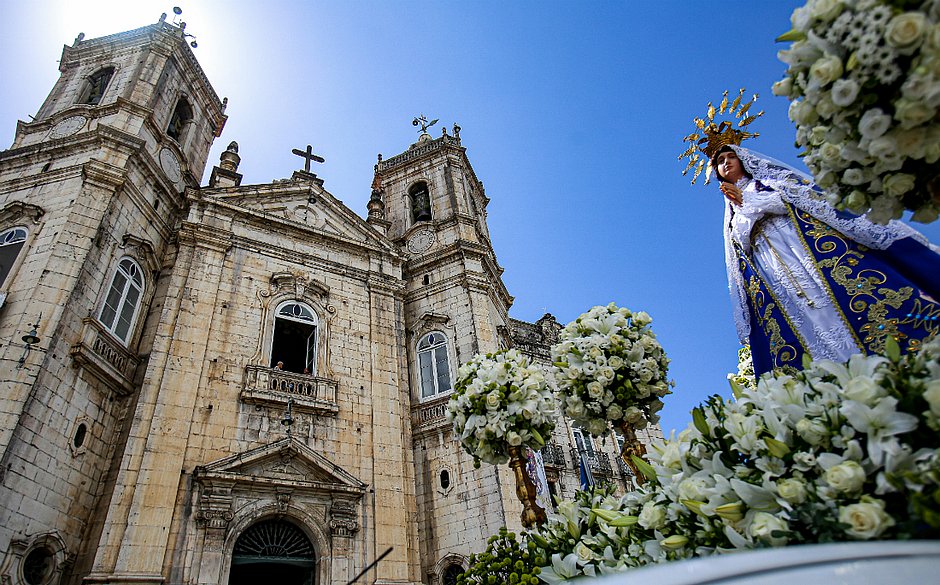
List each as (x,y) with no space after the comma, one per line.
(698,417)
(852,62)
(645,468)
(807,361)
(625,521)
(791,35)
(892,349)
(539,440)
(735,389)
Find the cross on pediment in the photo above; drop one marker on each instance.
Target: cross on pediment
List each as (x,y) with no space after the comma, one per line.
(308,156)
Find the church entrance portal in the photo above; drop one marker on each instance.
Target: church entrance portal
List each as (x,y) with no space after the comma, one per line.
(273,551)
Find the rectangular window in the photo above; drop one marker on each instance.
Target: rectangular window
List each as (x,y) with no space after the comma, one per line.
(110,309)
(443,375)
(427,374)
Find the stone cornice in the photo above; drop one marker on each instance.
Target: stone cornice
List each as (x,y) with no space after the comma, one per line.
(205,236)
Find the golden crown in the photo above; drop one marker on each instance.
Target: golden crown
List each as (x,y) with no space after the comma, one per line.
(711,136)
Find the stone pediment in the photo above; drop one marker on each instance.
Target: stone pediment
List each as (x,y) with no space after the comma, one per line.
(285,463)
(304,205)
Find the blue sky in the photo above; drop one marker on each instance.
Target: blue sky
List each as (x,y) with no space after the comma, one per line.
(572,115)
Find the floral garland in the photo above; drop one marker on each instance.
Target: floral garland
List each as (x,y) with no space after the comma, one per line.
(836,452)
(610,367)
(864,82)
(500,401)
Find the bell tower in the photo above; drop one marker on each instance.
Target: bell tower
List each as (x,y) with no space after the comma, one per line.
(456,305)
(90,193)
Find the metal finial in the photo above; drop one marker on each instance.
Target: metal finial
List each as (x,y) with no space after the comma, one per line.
(422,121)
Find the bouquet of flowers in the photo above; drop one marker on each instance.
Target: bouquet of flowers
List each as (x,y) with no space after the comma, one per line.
(864,82)
(610,367)
(500,401)
(836,452)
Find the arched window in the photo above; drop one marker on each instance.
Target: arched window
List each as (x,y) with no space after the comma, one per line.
(123,300)
(96,85)
(450,574)
(295,338)
(11,242)
(181,117)
(433,366)
(420,202)
(273,551)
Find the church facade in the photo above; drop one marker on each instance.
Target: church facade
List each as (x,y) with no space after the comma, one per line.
(225,383)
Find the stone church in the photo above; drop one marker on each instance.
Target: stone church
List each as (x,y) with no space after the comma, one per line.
(228,383)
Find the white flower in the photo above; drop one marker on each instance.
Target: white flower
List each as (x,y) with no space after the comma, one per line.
(825,107)
(905,31)
(932,396)
(812,431)
(792,490)
(854,176)
(764,525)
(652,516)
(874,123)
(831,156)
(883,147)
(866,519)
(844,92)
(614,412)
(898,184)
(825,10)
(826,70)
(783,87)
(912,113)
(847,477)
(911,143)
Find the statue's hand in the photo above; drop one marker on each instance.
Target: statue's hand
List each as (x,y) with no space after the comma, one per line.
(732,193)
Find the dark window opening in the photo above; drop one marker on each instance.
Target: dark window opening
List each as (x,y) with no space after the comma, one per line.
(445,479)
(80,433)
(181,117)
(427,280)
(97,84)
(11,242)
(420,202)
(273,551)
(295,339)
(37,566)
(450,574)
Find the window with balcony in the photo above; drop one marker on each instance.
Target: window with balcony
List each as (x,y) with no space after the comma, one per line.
(294,348)
(433,365)
(119,311)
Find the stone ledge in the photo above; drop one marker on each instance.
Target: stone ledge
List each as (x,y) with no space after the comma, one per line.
(272,386)
(101,354)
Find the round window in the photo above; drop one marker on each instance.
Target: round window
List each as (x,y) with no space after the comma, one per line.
(37,566)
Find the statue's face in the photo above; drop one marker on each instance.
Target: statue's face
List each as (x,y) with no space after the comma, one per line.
(729,166)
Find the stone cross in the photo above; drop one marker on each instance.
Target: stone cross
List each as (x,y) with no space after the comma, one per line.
(308,156)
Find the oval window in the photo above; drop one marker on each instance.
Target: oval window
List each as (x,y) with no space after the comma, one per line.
(445,479)
(80,433)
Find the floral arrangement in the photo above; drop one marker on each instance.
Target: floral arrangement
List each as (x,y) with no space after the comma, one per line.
(836,452)
(864,82)
(500,401)
(610,367)
(505,561)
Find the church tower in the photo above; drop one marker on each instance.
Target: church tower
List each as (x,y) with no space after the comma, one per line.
(91,191)
(456,305)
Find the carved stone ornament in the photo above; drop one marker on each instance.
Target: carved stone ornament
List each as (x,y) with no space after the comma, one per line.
(301,285)
(343,518)
(170,165)
(68,126)
(215,507)
(421,241)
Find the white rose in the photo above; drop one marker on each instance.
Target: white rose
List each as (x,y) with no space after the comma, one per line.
(764,525)
(575,411)
(615,361)
(783,87)
(905,31)
(804,461)
(826,69)
(874,123)
(826,10)
(597,426)
(866,519)
(811,431)
(493,400)
(825,106)
(614,412)
(692,488)
(911,142)
(898,184)
(652,517)
(831,156)
(883,147)
(847,477)
(844,92)
(513,438)
(800,18)
(857,202)
(884,208)
(595,390)
(853,176)
(912,113)
(584,553)
(932,396)
(826,179)
(792,490)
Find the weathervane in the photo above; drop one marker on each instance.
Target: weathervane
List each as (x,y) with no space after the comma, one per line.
(422,121)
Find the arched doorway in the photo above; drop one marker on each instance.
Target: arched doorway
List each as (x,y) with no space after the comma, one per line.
(273,551)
